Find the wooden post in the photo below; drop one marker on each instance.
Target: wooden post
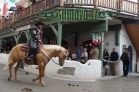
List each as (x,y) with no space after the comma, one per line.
(13,17)
(54,30)
(30,10)
(101,45)
(27,33)
(59,38)
(0,44)
(16,37)
(138,7)
(61,2)
(0,24)
(119,5)
(95,3)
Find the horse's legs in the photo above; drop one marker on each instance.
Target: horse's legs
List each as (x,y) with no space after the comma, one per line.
(41,65)
(10,68)
(42,73)
(16,68)
(35,79)
(44,70)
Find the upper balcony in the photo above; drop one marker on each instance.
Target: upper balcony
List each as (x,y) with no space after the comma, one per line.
(123,6)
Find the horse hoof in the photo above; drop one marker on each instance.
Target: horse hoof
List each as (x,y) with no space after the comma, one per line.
(43,85)
(9,78)
(33,80)
(16,80)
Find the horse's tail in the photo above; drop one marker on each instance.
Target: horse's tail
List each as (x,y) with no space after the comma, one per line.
(9,61)
(6,67)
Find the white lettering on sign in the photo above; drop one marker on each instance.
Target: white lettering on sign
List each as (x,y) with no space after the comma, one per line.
(23,28)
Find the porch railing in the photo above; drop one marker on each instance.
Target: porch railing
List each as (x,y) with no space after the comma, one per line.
(44,5)
(6,23)
(22,14)
(29,11)
(130,7)
(37,7)
(120,5)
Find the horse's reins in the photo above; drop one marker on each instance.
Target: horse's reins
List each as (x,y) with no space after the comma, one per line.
(47,55)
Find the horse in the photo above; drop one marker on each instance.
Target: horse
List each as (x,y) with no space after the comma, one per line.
(42,58)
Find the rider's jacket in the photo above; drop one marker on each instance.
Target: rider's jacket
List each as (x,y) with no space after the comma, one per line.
(36,35)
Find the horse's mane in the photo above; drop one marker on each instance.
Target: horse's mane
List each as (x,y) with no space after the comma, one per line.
(54,47)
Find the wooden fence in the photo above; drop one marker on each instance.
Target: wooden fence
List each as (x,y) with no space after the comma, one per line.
(29,11)
(44,5)
(119,5)
(6,23)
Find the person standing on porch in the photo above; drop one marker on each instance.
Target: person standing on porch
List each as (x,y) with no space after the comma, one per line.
(94,52)
(106,57)
(79,52)
(114,58)
(85,52)
(126,61)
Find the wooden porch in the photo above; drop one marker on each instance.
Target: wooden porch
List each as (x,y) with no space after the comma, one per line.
(122,6)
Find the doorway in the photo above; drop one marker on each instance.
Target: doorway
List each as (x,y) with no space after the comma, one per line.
(131,55)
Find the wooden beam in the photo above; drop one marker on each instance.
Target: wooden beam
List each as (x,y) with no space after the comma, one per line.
(9,34)
(59,37)
(114,27)
(85,30)
(138,7)
(54,30)
(81,28)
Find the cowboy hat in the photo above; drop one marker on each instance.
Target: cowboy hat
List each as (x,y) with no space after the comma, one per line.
(39,23)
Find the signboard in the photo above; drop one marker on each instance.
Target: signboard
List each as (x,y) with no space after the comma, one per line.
(23,28)
(107,14)
(78,14)
(48,14)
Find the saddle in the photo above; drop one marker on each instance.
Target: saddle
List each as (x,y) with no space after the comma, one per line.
(25,47)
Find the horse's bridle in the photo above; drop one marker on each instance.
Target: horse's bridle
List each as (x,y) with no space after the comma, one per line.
(47,55)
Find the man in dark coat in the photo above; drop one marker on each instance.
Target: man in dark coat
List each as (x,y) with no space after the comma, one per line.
(36,38)
(114,58)
(126,61)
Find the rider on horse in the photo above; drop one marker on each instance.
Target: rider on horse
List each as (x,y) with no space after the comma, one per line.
(36,38)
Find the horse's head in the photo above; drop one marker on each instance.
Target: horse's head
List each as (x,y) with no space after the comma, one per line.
(55,50)
(62,57)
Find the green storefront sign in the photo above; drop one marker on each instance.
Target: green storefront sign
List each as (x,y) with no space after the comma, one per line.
(48,14)
(107,14)
(78,14)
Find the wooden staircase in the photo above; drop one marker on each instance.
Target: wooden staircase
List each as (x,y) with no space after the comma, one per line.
(133,32)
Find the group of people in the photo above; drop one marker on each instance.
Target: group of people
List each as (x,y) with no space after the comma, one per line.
(82,55)
(6,46)
(114,57)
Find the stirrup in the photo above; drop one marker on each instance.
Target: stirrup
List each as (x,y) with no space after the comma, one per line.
(28,59)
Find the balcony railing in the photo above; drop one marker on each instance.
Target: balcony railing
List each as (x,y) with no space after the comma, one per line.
(44,5)
(130,7)
(120,5)
(6,23)
(35,8)
(22,14)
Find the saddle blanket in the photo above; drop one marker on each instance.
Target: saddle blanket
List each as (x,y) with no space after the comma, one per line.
(25,47)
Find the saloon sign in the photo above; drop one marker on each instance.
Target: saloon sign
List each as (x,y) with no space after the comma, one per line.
(23,28)
(78,14)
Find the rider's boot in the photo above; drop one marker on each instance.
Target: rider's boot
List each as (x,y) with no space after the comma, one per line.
(28,59)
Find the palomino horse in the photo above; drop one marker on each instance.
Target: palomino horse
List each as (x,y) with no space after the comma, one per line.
(47,52)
